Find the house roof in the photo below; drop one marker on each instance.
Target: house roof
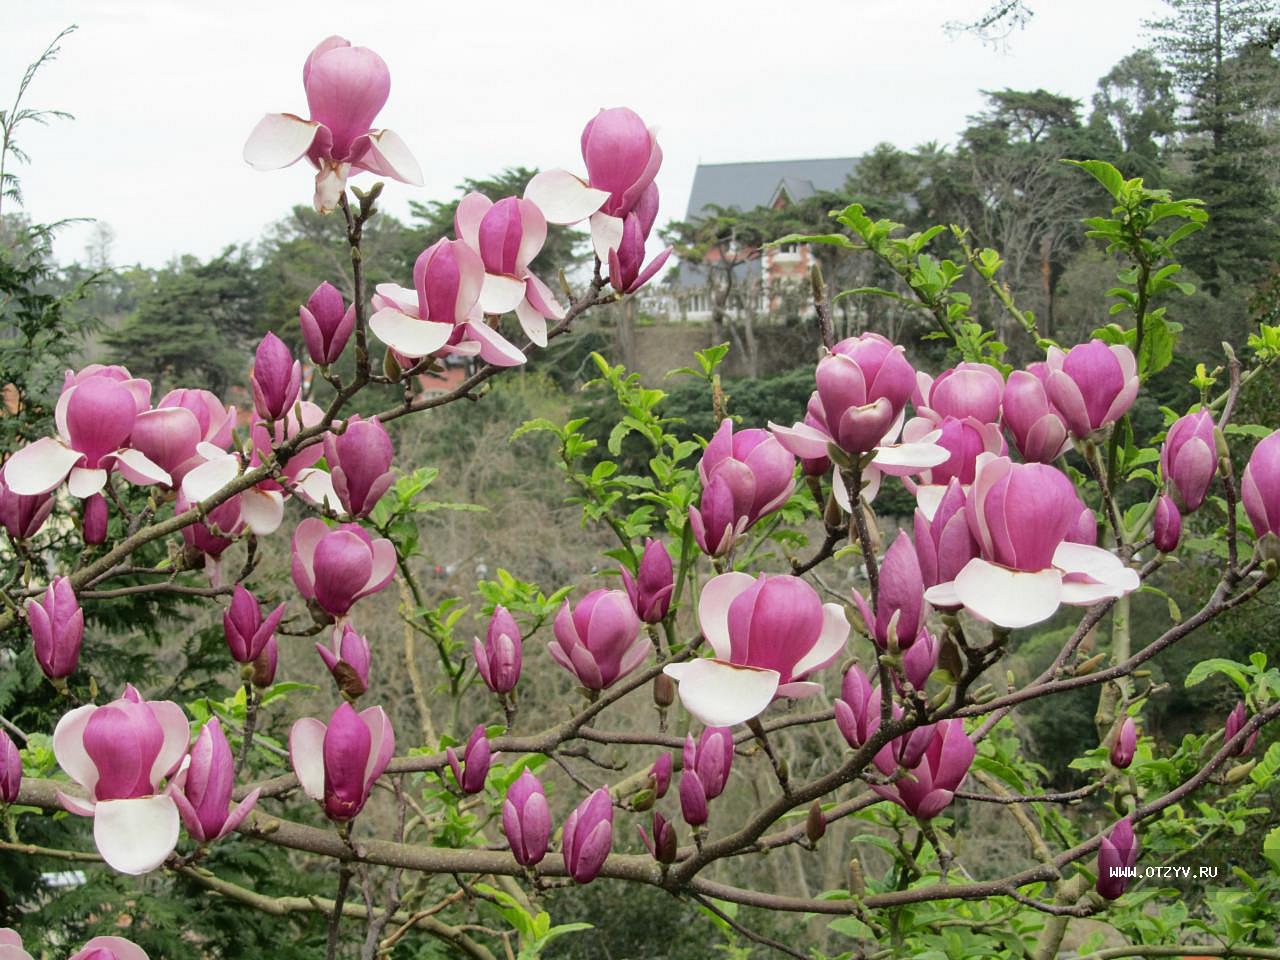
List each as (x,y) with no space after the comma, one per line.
(749,185)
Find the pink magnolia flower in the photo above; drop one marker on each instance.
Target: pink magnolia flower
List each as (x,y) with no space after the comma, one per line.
(442,314)
(214,535)
(1020,515)
(599,641)
(709,759)
(246,629)
(57,629)
(94,520)
(1092,385)
(650,590)
(1117,854)
(919,661)
(99,948)
(627,270)
(22,516)
(660,775)
(202,787)
(1260,489)
(943,541)
(963,440)
(346,88)
(745,475)
(10,771)
(171,433)
(1189,459)
(966,390)
(264,668)
(1124,744)
(622,157)
(348,661)
(120,753)
(508,235)
(900,610)
(526,820)
(1236,720)
(338,764)
(663,846)
(359,462)
(1166,527)
(500,656)
(858,707)
(768,634)
(336,567)
(693,800)
(276,379)
(474,768)
(1037,428)
(95,417)
(588,836)
(326,324)
(935,774)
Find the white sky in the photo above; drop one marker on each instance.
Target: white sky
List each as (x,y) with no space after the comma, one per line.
(165,91)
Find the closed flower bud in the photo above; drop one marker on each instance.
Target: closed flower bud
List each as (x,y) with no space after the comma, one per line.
(276,379)
(10,769)
(1260,493)
(1117,854)
(95,520)
(900,608)
(348,661)
(1124,744)
(662,846)
(711,757)
(23,516)
(526,820)
(664,691)
(815,824)
(499,657)
(650,590)
(745,475)
(1167,526)
(57,629)
(264,667)
(693,799)
(359,462)
(1187,459)
(326,324)
(660,775)
(600,640)
(1236,720)
(858,708)
(337,764)
(473,770)
(204,787)
(588,836)
(1093,385)
(246,630)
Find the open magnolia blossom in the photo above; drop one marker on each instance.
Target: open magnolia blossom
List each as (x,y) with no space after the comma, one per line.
(338,764)
(443,313)
(99,948)
(508,235)
(120,753)
(1021,515)
(346,88)
(768,633)
(95,417)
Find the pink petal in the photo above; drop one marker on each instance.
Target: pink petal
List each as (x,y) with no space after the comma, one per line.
(279,140)
(136,467)
(177,737)
(721,694)
(835,633)
(562,197)
(389,156)
(466,219)
(532,322)
(494,347)
(713,608)
(68,747)
(136,836)
(118,947)
(39,467)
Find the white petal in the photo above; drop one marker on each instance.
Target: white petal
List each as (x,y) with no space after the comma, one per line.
(532,322)
(85,483)
(562,197)
(39,467)
(722,695)
(68,747)
(841,492)
(262,510)
(278,140)
(1008,598)
(331,184)
(494,347)
(606,234)
(907,458)
(500,294)
(136,836)
(177,737)
(928,498)
(139,469)
(835,632)
(409,335)
(1096,563)
(802,440)
(316,486)
(943,595)
(713,608)
(204,481)
(306,751)
(389,156)
(405,298)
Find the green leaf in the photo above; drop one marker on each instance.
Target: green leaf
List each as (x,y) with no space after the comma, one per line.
(1107,175)
(1207,668)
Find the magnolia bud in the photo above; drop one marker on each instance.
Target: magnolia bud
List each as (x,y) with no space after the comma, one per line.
(815,824)
(664,691)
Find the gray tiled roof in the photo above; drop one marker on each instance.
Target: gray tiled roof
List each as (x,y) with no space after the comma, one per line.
(749,185)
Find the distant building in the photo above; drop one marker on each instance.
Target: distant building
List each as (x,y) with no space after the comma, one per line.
(746,186)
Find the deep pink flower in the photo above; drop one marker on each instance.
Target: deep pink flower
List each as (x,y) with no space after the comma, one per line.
(326,324)
(1117,854)
(944,543)
(1260,489)
(526,820)
(1167,525)
(599,641)
(473,770)
(1092,385)
(1037,428)
(1236,720)
(246,629)
(710,758)
(627,269)
(863,387)
(95,520)
(901,609)
(10,770)
(443,313)
(338,764)
(203,787)
(650,590)
(745,475)
(119,753)
(1124,744)
(348,661)
(99,948)
(768,634)
(276,379)
(920,660)
(500,657)
(1189,459)
(337,567)
(693,799)
(359,462)
(935,776)
(170,433)
(57,629)
(663,845)
(346,88)
(660,773)
(588,836)
(1020,515)
(964,441)
(23,516)
(858,707)
(965,390)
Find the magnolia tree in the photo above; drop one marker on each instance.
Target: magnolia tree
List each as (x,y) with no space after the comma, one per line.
(1024,483)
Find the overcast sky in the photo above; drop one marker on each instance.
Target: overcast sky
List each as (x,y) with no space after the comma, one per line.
(164,92)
